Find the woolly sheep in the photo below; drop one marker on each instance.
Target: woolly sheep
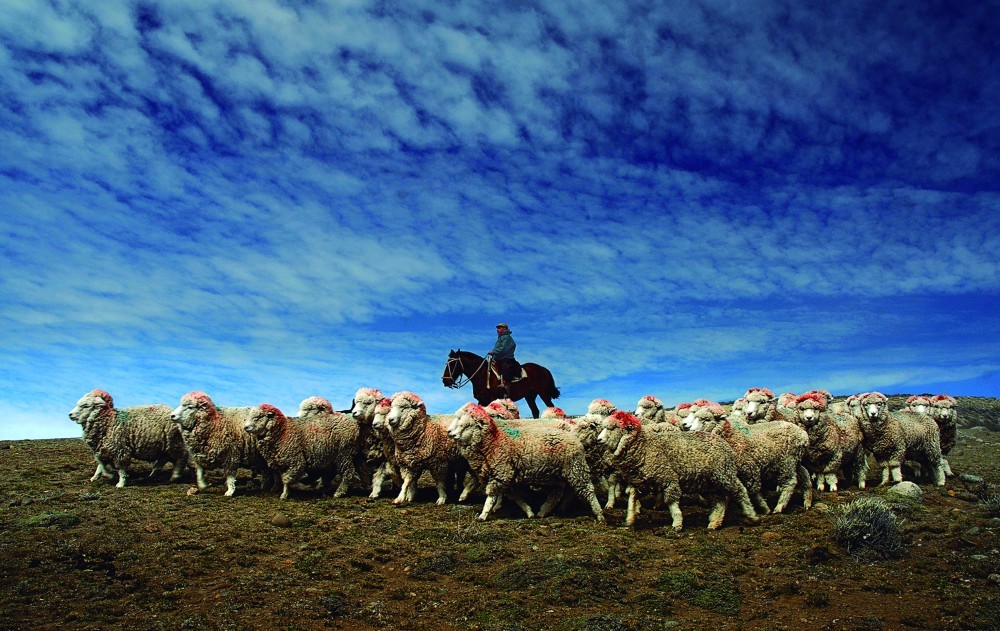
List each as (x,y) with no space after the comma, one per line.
(767,450)
(119,435)
(320,442)
(381,454)
(650,410)
(510,406)
(762,406)
(553,413)
(421,444)
(671,464)
(833,442)
(215,438)
(944,410)
(895,436)
(504,458)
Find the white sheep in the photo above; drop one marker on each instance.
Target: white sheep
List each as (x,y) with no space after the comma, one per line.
(320,443)
(762,406)
(893,437)
(672,464)
(834,442)
(650,410)
(510,406)
(770,450)
(422,444)
(504,459)
(944,410)
(553,413)
(381,454)
(215,438)
(119,435)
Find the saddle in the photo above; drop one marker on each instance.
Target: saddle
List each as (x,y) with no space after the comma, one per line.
(495,378)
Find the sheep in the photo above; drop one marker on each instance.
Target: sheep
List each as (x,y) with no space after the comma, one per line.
(833,442)
(510,406)
(215,438)
(381,453)
(762,406)
(893,437)
(504,458)
(944,410)
(786,401)
(320,442)
(119,435)
(738,411)
(771,449)
(671,464)
(421,444)
(650,410)
(553,413)
(845,407)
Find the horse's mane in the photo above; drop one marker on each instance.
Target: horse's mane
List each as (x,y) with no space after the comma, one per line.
(468,355)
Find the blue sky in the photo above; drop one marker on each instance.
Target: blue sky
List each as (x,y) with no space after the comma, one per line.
(273,200)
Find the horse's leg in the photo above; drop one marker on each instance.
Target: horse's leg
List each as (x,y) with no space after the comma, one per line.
(530,398)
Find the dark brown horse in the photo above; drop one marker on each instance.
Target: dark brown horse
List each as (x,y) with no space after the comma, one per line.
(485,386)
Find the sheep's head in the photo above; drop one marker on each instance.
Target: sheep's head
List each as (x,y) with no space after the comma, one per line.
(194,406)
(382,409)
(787,400)
(701,414)
(470,421)
(315,406)
(919,403)
(874,407)
(265,421)
(809,407)
(757,402)
(365,400)
(553,413)
(944,407)
(826,395)
(648,407)
(510,406)
(601,407)
(740,405)
(498,411)
(618,429)
(91,406)
(406,410)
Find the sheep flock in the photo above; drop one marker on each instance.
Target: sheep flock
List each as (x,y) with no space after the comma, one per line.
(763,447)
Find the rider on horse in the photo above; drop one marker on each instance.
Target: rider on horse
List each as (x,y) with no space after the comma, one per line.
(503,355)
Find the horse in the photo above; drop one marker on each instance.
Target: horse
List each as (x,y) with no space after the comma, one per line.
(486,387)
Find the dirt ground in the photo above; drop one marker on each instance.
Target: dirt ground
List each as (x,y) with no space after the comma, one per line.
(75,554)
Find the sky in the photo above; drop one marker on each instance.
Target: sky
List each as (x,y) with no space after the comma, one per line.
(272,200)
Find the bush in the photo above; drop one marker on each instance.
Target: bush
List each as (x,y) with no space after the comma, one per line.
(868,526)
(991,503)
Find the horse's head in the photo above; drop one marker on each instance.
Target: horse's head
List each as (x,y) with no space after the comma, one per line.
(452,370)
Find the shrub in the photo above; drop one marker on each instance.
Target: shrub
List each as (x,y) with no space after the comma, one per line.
(991,503)
(868,526)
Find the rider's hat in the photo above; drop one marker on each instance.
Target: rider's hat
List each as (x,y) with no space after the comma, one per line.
(503,325)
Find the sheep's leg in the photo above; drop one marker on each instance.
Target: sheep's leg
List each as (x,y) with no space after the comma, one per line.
(440,476)
(897,473)
(632,506)
(785,489)
(377,480)
(550,502)
(178,469)
(831,480)
(739,491)
(121,477)
(102,471)
(804,481)
(939,473)
(754,492)
(404,490)
(587,495)
(491,500)
(230,483)
(820,481)
(885,475)
(343,487)
(718,513)
(469,487)
(200,477)
(614,492)
(946,466)
(519,500)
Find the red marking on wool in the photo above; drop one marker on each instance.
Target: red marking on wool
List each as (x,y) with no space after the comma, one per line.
(651,399)
(763,391)
(682,407)
(625,420)
(97,392)
(270,409)
(385,403)
(815,397)
(943,397)
(873,397)
(557,412)
(198,395)
(409,396)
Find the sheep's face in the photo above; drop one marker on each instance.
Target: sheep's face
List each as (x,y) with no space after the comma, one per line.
(757,405)
(404,413)
(874,408)
(587,430)
(194,405)
(381,412)
(648,407)
(618,430)
(692,422)
(90,406)
(944,411)
(264,420)
(464,429)
(365,402)
(601,407)
(315,406)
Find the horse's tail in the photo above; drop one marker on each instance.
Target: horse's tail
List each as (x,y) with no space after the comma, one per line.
(554,392)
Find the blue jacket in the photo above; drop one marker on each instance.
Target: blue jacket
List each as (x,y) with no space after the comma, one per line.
(504,348)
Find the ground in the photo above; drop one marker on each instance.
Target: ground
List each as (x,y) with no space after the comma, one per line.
(75,554)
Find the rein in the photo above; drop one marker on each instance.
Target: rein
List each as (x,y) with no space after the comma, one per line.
(458,383)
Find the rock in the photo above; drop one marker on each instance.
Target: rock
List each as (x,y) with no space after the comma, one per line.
(770,536)
(907,489)
(821,508)
(281,520)
(968,478)
(994,578)
(973,531)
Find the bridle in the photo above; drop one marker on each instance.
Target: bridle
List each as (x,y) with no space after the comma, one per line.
(450,370)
